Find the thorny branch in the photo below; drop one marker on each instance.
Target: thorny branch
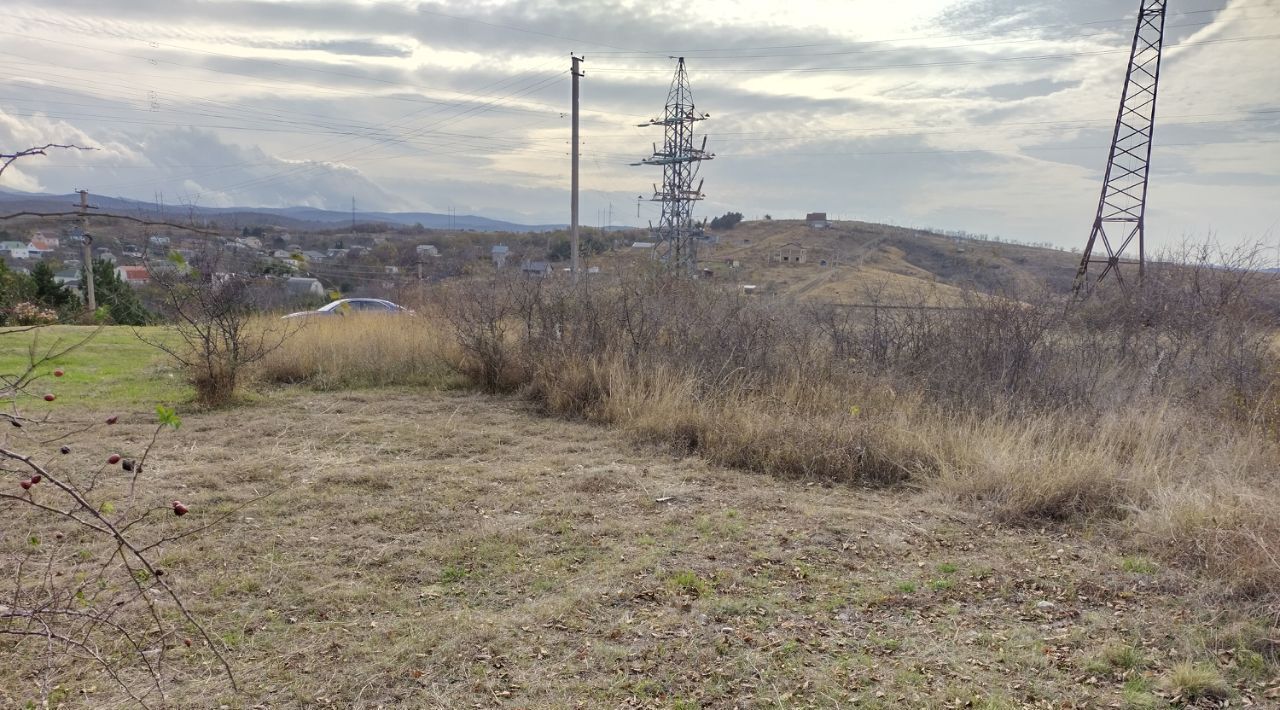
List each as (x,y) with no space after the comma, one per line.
(7,159)
(77,598)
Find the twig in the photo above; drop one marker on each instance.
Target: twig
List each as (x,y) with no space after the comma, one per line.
(7,159)
(139,220)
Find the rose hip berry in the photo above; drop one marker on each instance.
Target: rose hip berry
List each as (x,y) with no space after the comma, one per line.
(113,459)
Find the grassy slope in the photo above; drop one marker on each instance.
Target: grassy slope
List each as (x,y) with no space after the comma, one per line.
(112,368)
(903,264)
(433,550)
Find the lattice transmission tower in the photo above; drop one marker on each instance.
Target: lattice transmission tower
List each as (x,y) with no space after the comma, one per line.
(676,234)
(1122,209)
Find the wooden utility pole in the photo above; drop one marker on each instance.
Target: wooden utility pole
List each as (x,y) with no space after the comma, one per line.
(573,207)
(86,246)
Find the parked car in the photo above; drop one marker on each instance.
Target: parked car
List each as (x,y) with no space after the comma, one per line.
(344,306)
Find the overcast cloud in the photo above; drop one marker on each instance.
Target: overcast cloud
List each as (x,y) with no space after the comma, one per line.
(992,116)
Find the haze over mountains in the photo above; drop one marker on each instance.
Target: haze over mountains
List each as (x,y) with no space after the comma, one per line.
(294,217)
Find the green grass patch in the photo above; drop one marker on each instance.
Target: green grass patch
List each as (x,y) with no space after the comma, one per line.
(1138,565)
(687,582)
(1196,681)
(107,368)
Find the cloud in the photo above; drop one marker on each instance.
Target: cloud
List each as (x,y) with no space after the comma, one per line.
(986,115)
(352,47)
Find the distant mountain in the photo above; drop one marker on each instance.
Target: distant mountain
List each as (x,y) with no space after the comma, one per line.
(289,217)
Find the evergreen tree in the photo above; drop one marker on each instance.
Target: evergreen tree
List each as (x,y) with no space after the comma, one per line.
(117,296)
(728,221)
(48,292)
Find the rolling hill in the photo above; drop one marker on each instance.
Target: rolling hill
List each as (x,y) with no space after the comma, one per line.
(852,262)
(296,218)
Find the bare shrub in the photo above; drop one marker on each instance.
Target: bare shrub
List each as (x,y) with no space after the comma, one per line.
(482,317)
(212,314)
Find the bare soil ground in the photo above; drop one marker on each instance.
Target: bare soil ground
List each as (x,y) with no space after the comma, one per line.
(452,550)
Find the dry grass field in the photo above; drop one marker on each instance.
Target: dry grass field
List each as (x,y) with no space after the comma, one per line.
(433,550)
(674,496)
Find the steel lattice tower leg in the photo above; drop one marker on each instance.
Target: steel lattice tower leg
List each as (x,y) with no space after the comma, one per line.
(1120,221)
(676,233)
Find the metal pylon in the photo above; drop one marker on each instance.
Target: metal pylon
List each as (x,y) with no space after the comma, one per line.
(1122,209)
(676,233)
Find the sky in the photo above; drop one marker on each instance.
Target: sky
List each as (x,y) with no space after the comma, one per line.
(988,116)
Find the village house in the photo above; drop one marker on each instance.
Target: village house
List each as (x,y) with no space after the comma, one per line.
(300,286)
(536,268)
(15,250)
(69,277)
(43,244)
(791,253)
(134,275)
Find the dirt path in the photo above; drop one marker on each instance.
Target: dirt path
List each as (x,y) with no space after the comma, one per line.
(434,550)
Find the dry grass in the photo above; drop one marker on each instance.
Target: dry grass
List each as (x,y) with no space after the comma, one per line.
(361,350)
(1184,487)
(1154,475)
(454,550)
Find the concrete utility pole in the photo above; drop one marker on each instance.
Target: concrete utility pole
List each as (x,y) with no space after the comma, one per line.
(573,207)
(87,251)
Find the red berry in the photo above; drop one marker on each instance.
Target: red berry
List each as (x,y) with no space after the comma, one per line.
(112,419)
(113,459)
(187,642)
(50,397)
(36,478)
(58,373)
(179,509)
(26,485)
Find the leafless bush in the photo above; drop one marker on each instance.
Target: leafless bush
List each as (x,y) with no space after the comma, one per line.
(482,317)
(212,314)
